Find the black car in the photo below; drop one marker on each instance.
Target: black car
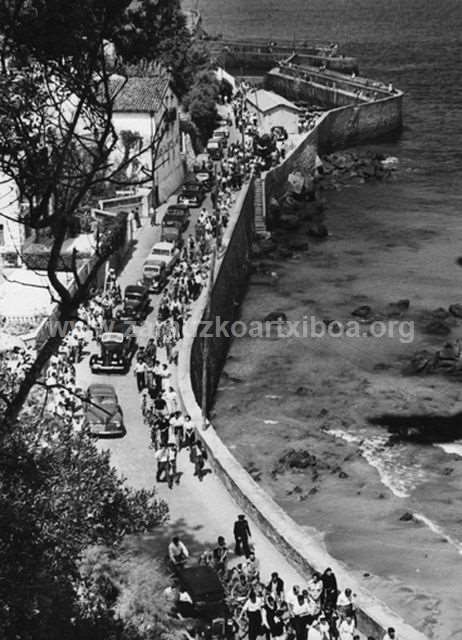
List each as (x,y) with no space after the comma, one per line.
(103,415)
(204,587)
(135,303)
(192,194)
(205,178)
(117,349)
(177,213)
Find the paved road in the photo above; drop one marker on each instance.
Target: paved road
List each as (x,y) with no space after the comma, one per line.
(199,511)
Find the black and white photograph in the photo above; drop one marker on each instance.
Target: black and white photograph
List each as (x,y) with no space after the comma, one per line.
(230,320)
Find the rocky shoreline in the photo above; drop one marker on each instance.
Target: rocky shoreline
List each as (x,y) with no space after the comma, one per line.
(308,406)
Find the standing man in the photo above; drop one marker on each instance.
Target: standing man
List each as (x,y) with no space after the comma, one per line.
(136,215)
(140,369)
(242,535)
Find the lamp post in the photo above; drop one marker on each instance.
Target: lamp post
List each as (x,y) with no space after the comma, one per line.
(152,210)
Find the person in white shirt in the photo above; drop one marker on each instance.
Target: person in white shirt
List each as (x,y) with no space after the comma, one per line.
(301,617)
(345,605)
(254,608)
(292,598)
(177,552)
(346,629)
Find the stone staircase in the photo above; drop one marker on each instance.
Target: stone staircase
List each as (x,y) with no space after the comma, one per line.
(259,207)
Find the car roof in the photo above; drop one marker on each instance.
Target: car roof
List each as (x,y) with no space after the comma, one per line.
(101,389)
(119,326)
(201,580)
(135,288)
(163,245)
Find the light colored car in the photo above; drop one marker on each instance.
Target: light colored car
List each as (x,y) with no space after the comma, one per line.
(165,252)
(222,130)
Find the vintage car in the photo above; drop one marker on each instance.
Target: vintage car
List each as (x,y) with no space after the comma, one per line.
(136,303)
(171,231)
(206,591)
(205,178)
(116,350)
(191,194)
(155,274)
(215,149)
(103,415)
(179,213)
(221,132)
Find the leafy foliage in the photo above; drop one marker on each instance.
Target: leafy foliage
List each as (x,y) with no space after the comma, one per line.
(132,583)
(58,495)
(201,102)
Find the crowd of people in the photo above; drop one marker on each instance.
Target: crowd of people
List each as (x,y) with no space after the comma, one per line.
(308,120)
(256,607)
(65,398)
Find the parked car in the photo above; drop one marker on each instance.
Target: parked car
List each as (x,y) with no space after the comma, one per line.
(205,178)
(221,131)
(178,213)
(136,302)
(116,350)
(165,252)
(155,274)
(204,587)
(171,231)
(103,415)
(192,194)
(215,149)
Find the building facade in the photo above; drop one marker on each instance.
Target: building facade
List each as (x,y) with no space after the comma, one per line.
(272,110)
(147,106)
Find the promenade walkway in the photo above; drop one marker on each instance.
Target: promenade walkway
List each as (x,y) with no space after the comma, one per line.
(199,511)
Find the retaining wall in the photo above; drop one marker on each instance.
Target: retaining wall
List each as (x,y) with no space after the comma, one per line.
(346,124)
(232,271)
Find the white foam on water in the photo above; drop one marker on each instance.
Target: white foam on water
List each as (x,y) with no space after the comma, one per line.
(439,531)
(400,478)
(451,447)
(271,421)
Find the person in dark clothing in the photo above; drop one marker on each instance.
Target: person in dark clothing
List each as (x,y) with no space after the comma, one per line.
(241,536)
(136,215)
(330,590)
(276,586)
(220,556)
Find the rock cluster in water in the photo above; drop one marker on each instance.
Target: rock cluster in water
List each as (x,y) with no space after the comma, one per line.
(354,167)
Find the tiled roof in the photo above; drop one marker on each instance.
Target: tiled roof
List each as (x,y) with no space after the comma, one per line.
(139,95)
(267,100)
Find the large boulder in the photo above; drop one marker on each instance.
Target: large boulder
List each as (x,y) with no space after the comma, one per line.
(364,311)
(456,310)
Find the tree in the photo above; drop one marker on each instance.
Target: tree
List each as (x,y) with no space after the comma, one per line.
(132,583)
(201,102)
(57,139)
(58,496)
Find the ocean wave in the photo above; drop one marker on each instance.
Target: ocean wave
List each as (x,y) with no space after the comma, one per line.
(451,447)
(397,476)
(438,530)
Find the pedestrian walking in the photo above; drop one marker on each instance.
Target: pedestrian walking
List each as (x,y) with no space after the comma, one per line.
(241,536)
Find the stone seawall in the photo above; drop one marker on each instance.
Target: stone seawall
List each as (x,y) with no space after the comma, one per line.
(232,272)
(351,121)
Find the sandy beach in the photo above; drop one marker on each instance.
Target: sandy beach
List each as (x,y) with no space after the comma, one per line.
(315,396)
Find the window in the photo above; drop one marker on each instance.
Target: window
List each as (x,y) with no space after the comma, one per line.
(2,235)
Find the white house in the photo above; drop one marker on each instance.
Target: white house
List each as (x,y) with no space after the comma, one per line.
(272,110)
(12,232)
(148,106)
